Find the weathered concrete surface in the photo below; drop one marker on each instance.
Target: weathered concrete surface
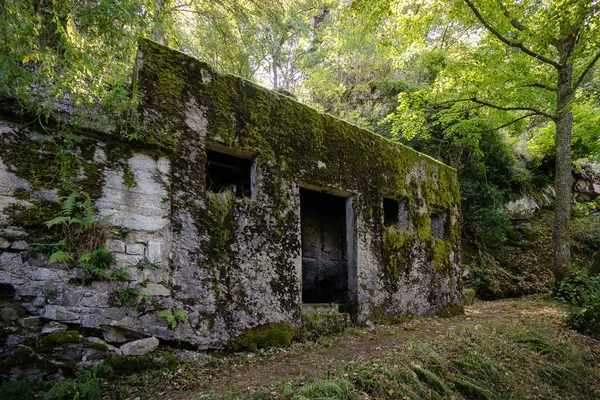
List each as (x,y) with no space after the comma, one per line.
(228,263)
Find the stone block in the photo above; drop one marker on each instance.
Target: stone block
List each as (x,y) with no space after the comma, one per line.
(60,313)
(155,289)
(113,335)
(53,327)
(115,246)
(31,323)
(140,347)
(4,243)
(135,249)
(19,245)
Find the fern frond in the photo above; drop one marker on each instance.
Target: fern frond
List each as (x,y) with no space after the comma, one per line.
(60,257)
(55,221)
(68,205)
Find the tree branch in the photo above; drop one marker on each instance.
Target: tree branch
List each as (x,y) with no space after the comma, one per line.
(507,41)
(497,107)
(512,21)
(586,70)
(510,123)
(541,86)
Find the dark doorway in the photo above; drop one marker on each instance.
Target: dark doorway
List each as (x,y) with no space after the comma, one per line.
(324,248)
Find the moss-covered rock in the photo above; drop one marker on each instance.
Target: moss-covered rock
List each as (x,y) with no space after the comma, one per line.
(53,340)
(124,365)
(271,335)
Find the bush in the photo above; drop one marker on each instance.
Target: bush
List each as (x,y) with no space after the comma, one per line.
(580,293)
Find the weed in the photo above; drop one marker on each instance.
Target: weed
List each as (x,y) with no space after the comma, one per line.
(333,389)
(173,319)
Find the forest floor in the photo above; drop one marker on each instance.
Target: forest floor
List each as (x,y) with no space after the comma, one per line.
(514,348)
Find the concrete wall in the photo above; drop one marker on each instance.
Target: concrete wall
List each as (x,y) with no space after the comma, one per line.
(230,263)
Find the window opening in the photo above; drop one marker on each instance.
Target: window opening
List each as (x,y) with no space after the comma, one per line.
(224,172)
(395,212)
(439,225)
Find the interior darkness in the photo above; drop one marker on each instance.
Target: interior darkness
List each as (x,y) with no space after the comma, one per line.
(395,212)
(391,211)
(324,258)
(225,171)
(439,225)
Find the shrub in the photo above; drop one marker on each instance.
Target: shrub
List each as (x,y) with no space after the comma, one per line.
(580,293)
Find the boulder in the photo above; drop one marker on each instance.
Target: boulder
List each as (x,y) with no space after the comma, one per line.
(140,347)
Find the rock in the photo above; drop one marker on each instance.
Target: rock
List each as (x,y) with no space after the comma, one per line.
(522,208)
(113,335)
(155,289)
(135,249)
(19,245)
(109,347)
(53,327)
(10,312)
(4,243)
(115,246)
(31,323)
(13,341)
(140,347)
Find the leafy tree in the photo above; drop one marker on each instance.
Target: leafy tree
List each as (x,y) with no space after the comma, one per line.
(556,43)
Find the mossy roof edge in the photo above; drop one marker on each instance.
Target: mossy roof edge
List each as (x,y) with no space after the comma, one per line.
(143,42)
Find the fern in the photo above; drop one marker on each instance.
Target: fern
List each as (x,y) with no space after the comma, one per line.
(55,221)
(68,206)
(60,257)
(173,319)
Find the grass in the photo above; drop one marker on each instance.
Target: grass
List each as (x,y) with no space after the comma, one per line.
(510,349)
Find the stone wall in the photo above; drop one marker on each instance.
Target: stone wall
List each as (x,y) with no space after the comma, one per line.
(230,260)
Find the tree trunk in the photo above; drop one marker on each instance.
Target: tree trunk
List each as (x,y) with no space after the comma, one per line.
(563,179)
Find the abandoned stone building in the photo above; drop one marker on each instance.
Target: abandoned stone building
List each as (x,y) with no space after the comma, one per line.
(230,207)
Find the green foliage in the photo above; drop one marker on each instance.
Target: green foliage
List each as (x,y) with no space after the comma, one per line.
(128,295)
(69,389)
(174,318)
(580,293)
(272,335)
(145,263)
(126,365)
(330,389)
(98,262)
(20,389)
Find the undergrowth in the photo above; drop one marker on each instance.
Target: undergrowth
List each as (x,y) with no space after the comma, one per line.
(524,355)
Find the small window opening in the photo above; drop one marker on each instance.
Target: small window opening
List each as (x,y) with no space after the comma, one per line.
(395,212)
(439,225)
(224,171)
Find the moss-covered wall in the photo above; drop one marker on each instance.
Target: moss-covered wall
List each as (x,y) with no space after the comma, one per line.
(223,264)
(189,105)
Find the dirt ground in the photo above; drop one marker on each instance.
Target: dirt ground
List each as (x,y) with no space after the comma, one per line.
(237,372)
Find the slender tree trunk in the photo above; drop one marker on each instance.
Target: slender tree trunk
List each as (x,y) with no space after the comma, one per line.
(563,179)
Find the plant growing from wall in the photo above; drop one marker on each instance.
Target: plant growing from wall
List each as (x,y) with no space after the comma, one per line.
(174,318)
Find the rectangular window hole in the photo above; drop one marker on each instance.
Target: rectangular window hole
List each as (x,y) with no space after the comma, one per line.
(439,225)
(395,212)
(228,172)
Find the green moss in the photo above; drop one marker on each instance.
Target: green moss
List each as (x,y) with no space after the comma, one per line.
(97,346)
(441,250)
(127,365)
(32,218)
(36,161)
(450,310)
(468,296)
(59,338)
(128,177)
(271,335)
(315,325)
(396,248)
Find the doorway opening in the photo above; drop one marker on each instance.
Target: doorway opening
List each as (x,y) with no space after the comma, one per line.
(327,228)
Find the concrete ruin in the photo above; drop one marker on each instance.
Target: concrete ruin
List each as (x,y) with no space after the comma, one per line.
(248,204)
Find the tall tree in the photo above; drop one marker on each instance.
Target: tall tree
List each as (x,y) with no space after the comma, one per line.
(561,39)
